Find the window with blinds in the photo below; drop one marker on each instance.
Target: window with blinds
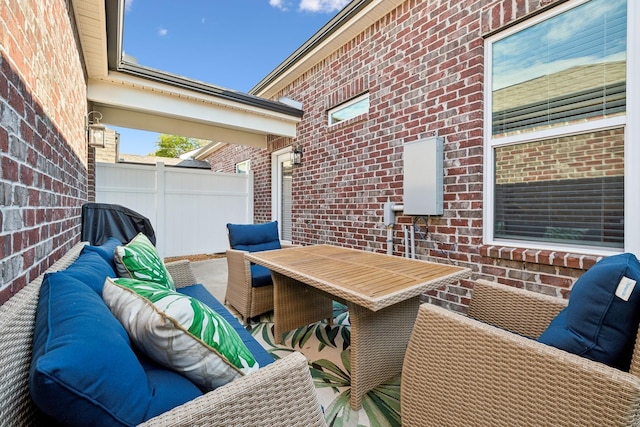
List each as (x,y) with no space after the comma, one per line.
(563,190)
(566,69)
(558,161)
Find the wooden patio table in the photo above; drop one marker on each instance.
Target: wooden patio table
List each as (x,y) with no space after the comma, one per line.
(382,293)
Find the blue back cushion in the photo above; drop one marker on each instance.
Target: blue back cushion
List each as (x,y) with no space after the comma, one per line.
(92,269)
(601,319)
(254,237)
(84,371)
(106,250)
(199,292)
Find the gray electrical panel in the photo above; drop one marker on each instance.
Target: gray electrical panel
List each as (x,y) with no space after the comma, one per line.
(423,177)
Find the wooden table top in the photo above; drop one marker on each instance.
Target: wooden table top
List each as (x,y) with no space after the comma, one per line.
(371,279)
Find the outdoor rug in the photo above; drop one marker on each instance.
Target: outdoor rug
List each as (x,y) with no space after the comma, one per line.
(327,348)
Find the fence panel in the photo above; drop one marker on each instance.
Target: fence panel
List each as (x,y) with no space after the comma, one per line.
(189,208)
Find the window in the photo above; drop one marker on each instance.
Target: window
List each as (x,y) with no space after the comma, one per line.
(350,109)
(556,129)
(243,167)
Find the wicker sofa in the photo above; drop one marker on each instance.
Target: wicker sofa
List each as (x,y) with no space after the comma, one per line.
(487,369)
(281,393)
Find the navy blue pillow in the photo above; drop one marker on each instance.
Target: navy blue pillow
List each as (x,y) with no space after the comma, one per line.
(254,237)
(83,369)
(91,269)
(601,319)
(106,250)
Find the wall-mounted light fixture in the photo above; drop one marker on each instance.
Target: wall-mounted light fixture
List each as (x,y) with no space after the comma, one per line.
(95,130)
(296,155)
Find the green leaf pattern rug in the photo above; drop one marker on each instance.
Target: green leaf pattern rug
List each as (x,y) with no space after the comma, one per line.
(327,348)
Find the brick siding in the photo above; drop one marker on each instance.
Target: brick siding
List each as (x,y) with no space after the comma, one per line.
(43,166)
(423,67)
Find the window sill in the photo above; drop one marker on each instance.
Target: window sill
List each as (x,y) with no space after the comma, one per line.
(540,256)
(346,123)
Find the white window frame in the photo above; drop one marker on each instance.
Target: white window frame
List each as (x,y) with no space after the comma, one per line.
(631,139)
(247,162)
(346,105)
(276,188)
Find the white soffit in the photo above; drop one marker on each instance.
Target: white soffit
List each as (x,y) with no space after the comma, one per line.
(138,103)
(92,23)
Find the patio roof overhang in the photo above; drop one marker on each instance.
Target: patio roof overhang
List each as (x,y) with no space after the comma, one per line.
(133,96)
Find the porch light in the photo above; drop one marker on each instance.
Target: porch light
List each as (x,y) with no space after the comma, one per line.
(95,130)
(296,155)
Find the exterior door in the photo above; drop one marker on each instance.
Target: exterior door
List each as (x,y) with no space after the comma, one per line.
(282,173)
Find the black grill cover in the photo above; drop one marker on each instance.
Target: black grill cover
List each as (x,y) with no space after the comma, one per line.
(102,220)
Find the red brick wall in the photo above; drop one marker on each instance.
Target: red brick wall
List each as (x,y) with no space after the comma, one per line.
(423,67)
(43,172)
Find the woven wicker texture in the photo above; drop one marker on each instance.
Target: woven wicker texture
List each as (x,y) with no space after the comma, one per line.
(279,394)
(17,318)
(459,371)
(181,273)
(516,310)
(381,292)
(247,300)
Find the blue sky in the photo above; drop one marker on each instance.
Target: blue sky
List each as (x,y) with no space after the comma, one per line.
(229,43)
(591,33)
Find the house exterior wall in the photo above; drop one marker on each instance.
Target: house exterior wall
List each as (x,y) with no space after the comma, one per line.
(43,158)
(225,160)
(423,67)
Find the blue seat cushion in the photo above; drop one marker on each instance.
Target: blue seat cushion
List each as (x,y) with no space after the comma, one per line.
(170,389)
(260,276)
(601,319)
(254,237)
(83,369)
(200,293)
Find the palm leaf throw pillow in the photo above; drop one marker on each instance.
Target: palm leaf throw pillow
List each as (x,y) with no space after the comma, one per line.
(179,332)
(140,260)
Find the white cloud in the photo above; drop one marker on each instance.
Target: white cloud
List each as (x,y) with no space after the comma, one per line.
(568,25)
(322,6)
(278,4)
(314,6)
(127,5)
(162,31)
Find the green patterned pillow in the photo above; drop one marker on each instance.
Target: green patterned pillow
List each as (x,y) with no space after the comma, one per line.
(179,332)
(139,259)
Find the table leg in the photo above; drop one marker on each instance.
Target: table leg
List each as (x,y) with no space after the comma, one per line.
(296,304)
(378,343)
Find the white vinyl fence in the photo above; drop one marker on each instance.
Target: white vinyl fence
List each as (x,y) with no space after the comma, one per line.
(188,208)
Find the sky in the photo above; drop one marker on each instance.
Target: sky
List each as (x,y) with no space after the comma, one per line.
(570,39)
(228,43)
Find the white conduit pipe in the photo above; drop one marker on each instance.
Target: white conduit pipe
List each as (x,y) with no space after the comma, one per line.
(406,242)
(390,221)
(389,240)
(413,243)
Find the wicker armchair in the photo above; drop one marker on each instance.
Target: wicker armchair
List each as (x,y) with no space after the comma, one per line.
(280,394)
(248,296)
(487,369)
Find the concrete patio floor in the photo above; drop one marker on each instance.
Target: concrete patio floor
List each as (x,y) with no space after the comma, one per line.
(212,273)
